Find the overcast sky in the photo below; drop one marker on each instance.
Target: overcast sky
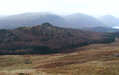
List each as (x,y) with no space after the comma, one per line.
(91,7)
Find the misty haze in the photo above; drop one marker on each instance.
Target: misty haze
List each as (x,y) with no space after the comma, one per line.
(59,37)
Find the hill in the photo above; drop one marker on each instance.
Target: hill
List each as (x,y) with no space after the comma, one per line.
(46,38)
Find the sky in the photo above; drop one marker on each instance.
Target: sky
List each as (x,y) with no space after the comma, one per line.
(64,7)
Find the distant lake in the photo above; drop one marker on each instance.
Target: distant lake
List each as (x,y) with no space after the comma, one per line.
(116,27)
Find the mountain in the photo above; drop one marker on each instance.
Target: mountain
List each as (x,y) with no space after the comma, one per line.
(82,20)
(46,38)
(110,20)
(31,19)
(102,29)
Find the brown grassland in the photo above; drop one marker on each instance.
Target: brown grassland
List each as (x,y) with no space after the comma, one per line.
(95,59)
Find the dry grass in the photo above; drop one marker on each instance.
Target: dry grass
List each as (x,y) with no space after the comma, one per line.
(96,59)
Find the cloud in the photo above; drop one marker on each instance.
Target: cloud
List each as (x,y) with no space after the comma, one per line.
(92,7)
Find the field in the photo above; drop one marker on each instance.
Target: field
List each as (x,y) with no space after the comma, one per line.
(95,59)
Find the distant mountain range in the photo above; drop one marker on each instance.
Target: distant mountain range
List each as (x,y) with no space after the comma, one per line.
(109,20)
(82,20)
(31,19)
(73,21)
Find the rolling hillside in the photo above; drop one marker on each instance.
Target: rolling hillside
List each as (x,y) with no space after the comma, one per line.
(46,38)
(94,59)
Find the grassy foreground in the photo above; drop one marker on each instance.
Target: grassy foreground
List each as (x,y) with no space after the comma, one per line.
(95,59)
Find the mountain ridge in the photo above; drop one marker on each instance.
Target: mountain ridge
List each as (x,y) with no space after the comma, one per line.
(31,19)
(46,38)
(110,20)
